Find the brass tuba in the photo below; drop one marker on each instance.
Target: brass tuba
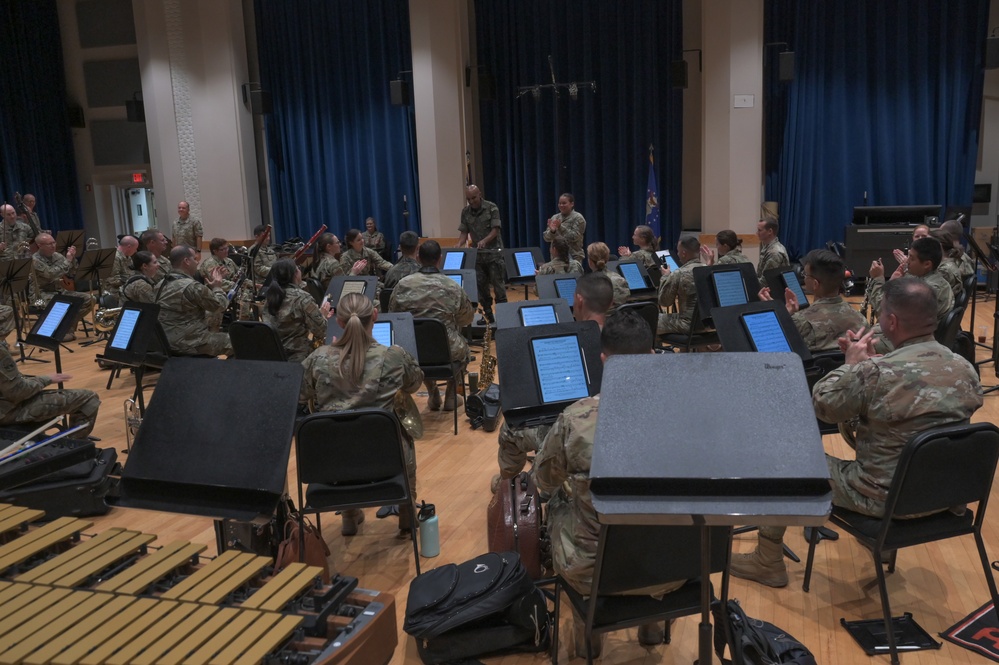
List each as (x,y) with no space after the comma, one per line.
(105,318)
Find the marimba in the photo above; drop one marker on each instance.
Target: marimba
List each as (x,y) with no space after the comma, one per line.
(116,599)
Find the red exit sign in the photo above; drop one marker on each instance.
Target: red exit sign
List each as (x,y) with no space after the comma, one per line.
(138,177)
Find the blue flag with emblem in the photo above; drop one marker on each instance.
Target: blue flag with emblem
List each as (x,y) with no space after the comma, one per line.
(652,197)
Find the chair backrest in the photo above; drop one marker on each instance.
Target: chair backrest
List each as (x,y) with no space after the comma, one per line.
(970,283)
(431,342)
(947,329)
(349,447)
(943,467)
(635,557)
(647,310)
(823,362)
(315,289)
(383,299)
(255,340)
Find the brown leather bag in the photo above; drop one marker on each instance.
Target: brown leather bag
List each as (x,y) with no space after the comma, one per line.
(316,551)
(513,520)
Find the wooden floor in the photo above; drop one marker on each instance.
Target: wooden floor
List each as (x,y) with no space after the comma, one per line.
(939,584)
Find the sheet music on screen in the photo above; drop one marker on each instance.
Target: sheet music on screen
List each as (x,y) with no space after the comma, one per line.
(382,332)
(453,260)
(729,288)
(791,281)
(667,258)
(352,286)
(456,278)
(52,321)
(566,288)
(538,315)
(559,365)
(126,326)
(765,332)
(633,275)
(525,264)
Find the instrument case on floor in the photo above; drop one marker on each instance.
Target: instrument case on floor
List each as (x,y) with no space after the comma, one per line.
(513,520)
(79,490)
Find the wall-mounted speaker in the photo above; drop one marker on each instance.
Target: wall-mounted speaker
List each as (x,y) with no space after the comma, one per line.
(400,93)
(678,73)
(992,53)
(785,66)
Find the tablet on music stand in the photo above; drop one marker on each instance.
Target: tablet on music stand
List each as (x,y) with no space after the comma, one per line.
(456,276)
(382,332)
(666,257)
(453,260)
(55,322)
(759,326)
(344,284)
(779,279)
(543,311)
(537,315)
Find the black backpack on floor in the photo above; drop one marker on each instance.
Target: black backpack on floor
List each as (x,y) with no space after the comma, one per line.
(484,607)
(759,642)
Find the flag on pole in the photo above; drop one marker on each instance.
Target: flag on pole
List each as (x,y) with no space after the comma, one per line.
(652,197)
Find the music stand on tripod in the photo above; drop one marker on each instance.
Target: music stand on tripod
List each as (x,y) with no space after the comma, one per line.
(95,264)
(14,278)
(53,324)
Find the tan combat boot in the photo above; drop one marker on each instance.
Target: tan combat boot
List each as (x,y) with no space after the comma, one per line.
(351,518)
(765,564)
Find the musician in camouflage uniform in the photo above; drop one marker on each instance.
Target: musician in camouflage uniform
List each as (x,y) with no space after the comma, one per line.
(373,238)
(562,262)
(30,217)
(265,258)
(155,243)
(122,268)
(597,256)
(140,286)
(48,268)
(23,400)
(829,317)
(374,264)
(677,287)
(183,304)
(562,469)
(919,385)
(772,253)
(480,219)
(218,259)
(430,293)
(647,243)
(13,232)
(567,224)
(591,302)
(357,372)
(408,264)
(729,248)
(187,230)
(292,312)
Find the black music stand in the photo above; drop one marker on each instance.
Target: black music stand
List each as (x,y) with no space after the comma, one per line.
(336,287)
(777,280)
(95,265)
(138,341)
(707,298)
(53,324)
(469,282)
(14,277)
(522,265)
(734,337)
(215,440)
(402,330)
(643,291)
(508,314)
(66,239)
(551,286)
(701,469)
(451,261)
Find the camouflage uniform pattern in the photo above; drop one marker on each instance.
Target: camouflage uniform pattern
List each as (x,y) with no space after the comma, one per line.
(375,241)
(328,268)
(950,270)
(619,284)
(266,257)
(430,293)
(733,257)
(562,469)
(228,266)
(826,320)
(34,224)
(572,230)
(771,256)
(515,444)
(405,267)
(48,272)
(919,385)
(559,266)
(387,370)
(967,265)
(298,316)
(646,257)
(188,232)
(678,288)
(183,305)
(936,281)
(121,271)
(490,271)
(23,400)
(164,268)
(14,236)
(138,288)
(375,262)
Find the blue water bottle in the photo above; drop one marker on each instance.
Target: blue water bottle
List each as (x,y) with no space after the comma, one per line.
(430,537)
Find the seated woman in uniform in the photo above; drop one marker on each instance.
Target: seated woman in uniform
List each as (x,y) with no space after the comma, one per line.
(356,251)
(140,287)
(357,372)
(326,262)
(562,261)
(729,247)
(597,255)
(292,312)
(647,243)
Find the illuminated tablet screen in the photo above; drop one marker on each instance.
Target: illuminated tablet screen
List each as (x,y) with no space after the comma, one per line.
(538,315)
(126,326)
(632,274)
(453,260)
(525,264)
(668,259)
(558,363)
(566,288)
(382,332)
(54,318)
(729,288)
(765,332)
(791,281)
(456,278)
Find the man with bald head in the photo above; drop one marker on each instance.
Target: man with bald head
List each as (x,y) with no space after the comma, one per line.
(48,268)
(187,230)
(919,385)
(122,269)
(13,232)
(480,220)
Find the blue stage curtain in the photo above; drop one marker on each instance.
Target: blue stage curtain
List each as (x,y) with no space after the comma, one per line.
(338,150)
(36,143)
(886,99)
(626,48)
